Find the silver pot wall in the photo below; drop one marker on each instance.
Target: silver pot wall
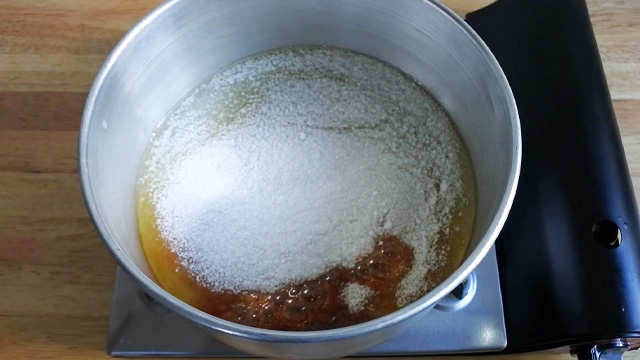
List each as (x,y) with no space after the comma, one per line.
(183,42)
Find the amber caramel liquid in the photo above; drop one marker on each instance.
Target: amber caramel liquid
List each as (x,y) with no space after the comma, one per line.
(315,304)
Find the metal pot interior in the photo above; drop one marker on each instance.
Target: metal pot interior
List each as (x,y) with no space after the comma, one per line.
(184,42)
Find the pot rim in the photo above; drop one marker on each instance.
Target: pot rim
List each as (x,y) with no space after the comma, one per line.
(230,328)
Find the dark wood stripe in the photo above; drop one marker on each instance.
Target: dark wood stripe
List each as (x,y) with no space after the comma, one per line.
(47,111)
(38,151)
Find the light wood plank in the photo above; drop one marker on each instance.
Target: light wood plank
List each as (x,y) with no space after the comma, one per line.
(463,7)
(38,151)
(616,24)
(80,36)
(628,114)
(49,196)
(54,266)
(60,45)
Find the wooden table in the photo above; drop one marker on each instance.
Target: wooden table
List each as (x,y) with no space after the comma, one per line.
(55,276)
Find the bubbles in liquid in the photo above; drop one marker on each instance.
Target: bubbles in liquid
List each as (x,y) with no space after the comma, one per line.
(317,303)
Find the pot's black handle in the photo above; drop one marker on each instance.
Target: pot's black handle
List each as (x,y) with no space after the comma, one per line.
(569,254)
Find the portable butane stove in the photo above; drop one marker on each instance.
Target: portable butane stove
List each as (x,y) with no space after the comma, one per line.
(565,271)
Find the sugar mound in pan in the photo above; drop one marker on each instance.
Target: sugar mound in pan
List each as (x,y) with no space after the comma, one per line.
(290,163)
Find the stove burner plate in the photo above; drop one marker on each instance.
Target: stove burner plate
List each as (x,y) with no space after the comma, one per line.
(141,327)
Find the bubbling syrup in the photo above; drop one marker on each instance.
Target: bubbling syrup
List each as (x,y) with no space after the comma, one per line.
(312,158)
(314,304)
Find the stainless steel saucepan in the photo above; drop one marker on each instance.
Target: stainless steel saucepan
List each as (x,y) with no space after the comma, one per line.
(183,42)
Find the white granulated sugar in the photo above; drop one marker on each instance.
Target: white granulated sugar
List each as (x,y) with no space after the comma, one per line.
(356,296)
(290,163)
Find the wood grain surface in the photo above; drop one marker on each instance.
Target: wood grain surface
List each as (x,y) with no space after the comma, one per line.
(55,276)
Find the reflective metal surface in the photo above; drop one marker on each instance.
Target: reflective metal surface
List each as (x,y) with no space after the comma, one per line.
(183,42)
(140,326)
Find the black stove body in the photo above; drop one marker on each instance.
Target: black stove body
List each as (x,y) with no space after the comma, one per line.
(569,254)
